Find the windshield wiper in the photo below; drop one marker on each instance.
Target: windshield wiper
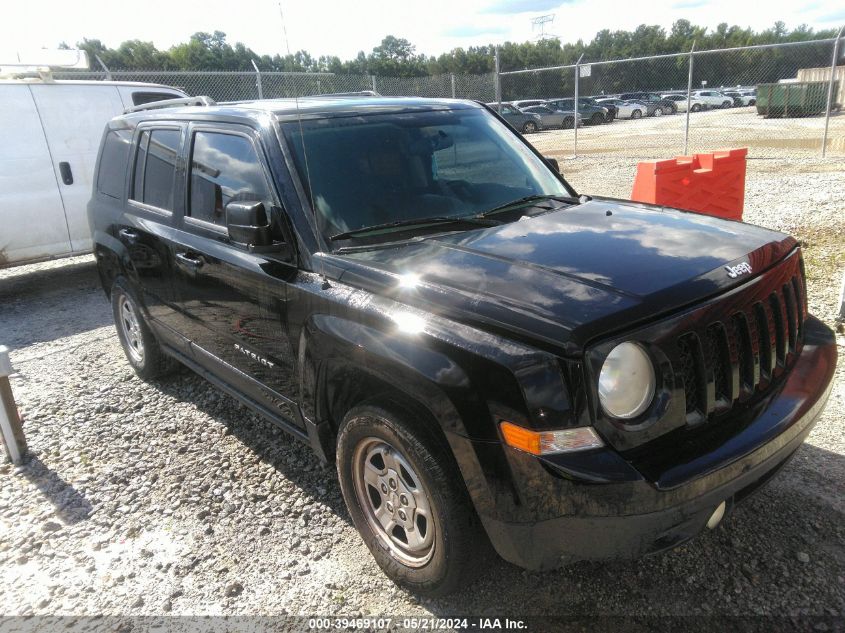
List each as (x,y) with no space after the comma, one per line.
(422,222)
(524,201)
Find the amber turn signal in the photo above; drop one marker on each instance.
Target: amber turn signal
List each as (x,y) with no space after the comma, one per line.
(549,442)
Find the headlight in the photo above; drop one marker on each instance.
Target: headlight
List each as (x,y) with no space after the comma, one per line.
(626,381)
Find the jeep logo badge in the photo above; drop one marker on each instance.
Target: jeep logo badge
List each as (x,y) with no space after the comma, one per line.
(739,269)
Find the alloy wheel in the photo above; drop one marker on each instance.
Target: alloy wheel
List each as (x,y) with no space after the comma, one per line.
(394,500)
(131,327)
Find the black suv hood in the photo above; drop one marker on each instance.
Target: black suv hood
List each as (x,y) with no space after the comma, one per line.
(571,275)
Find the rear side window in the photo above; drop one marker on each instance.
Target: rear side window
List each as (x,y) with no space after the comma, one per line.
(113,162)
(140,98)
(155,168)
(224,167)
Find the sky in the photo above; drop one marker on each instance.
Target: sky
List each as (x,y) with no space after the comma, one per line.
(344,27)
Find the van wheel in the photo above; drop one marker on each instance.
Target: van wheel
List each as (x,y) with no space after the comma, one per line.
(403,490)
(140,346)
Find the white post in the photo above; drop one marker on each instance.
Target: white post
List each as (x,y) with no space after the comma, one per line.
(373,77)
(10,422)
(689,98)
(577,120)
(830,89)
(453,85)
(498,86)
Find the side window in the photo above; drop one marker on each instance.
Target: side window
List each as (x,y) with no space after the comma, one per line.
(140,98)
(224,167)
(113,162)
(155,168)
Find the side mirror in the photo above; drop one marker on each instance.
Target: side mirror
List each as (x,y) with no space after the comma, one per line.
(552,163)
(247,223)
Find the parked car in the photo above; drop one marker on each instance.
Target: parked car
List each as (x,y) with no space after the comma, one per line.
(51,131)
(752,94)
(624,109)
(409,288)
(741,99)
(593,114)
(660,107)
(553,118)
(713,98)
(593,101)
(525,122)
(680,102)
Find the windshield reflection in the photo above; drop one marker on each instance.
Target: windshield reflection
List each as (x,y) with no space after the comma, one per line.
(373,170)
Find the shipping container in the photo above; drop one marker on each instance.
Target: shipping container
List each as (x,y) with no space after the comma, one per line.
(795,99)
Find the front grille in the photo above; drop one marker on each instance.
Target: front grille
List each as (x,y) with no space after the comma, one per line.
(741,354)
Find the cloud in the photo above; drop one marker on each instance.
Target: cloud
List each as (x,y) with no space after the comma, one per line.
(469,30)
(523,6)
(689,4)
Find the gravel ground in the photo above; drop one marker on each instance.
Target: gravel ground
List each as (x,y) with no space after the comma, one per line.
(169,497)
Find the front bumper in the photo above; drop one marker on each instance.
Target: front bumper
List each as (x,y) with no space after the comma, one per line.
(606,510)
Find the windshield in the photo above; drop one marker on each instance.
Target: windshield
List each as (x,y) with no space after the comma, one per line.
(378,169)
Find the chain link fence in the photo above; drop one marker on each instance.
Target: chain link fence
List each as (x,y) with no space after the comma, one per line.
(776,100)
(772,99)
(239,86)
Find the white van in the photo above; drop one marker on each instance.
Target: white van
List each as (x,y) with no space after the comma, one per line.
(50,132)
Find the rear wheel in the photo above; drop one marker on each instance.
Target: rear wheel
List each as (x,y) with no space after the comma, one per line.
(695,107)
(568,123)
(139,344)
(529,127)
(637,114)
(597,118)
(727,104)
(405,496)
(752,102)
(658,112)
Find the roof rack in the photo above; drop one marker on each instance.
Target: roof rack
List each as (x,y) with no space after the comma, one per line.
(172,103)
(362,93)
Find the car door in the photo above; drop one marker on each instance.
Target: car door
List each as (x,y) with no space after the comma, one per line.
(28,186)
(232,299)
(146,228)
(73,116)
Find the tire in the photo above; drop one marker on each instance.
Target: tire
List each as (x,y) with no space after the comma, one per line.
(386,461)
(752,102)
(658,112)
(139,344)
(637,114)
(695,107)
(727,104)
(568,123)
(529,127)
(597,119)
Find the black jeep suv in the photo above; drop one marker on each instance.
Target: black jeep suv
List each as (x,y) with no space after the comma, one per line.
(410,288)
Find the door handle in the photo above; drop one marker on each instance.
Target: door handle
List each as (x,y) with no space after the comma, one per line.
(128,234)
(188,261)
(66,173)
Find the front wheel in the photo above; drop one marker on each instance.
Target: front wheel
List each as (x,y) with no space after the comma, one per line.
(658,112)
(695,107)
(529,127)
(404,493)
(727,104)
(752,102)
(597,119)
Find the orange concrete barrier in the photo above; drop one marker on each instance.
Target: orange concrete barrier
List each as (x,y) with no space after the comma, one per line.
(708,183)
